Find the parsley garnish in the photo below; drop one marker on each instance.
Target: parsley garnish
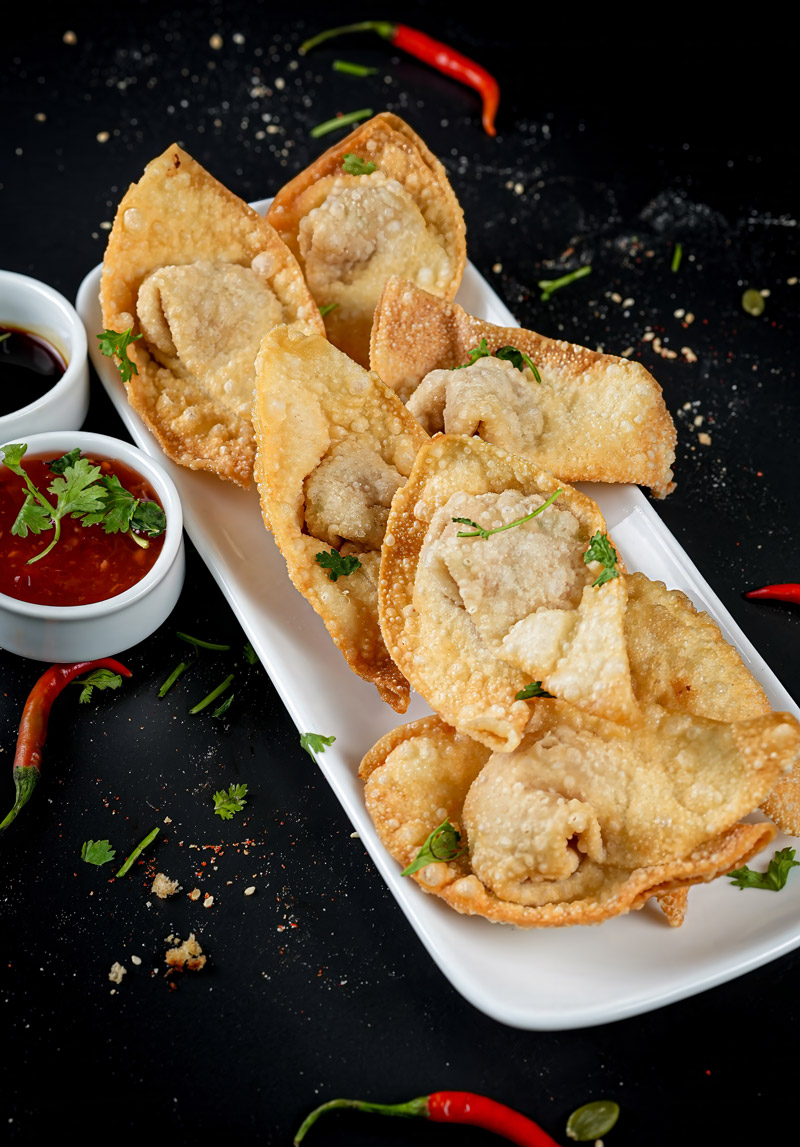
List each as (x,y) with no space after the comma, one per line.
(549,285)
(97,852)
(326,308)
(99,679)
(336,565)
(601,550)
(198,643)
(224,707)
(250,654)
(227,803)
(482,532)
(533,690)
(511,354)
(59,465)
(117,343)
(315,743)
(443,844)
(354,165)
(773,879)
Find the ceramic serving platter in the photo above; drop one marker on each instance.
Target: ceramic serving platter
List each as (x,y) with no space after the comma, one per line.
(549,979)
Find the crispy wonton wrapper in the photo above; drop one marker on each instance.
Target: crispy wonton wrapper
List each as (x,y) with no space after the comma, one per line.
(587,819)
(202,277)
(594,417)
(351,232)
(334,444)
(472,621)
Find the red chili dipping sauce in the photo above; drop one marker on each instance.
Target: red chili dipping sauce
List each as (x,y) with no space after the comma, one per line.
(86,564)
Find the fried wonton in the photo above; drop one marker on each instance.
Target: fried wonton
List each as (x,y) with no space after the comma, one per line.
(334,445)
(472,621)
(586,819)
(593,417)
(351,231)
(201,277)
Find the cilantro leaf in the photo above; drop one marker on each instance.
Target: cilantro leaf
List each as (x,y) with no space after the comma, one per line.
(481,531)
(77,491)
(98,679)
(32,516)
(230,802)
(224,707)
(519,359)
(773,879)
(13,454)
(337,565)
(250,654)
(148,518)
(443,844)
(117,343)
(355,165)
(533,690)
(59,465)
(116,508)
(601,550)
(315,743)
(479,351)
(97,852)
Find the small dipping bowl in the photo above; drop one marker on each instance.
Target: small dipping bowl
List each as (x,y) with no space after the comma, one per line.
(32,306)
(65,633)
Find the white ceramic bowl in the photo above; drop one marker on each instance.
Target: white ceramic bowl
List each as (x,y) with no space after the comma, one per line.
(102,629)
(33,306)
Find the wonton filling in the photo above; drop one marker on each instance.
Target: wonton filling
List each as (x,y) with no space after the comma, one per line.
(349,494)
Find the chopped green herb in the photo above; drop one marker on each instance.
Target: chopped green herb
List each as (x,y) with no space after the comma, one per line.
(601,550)
(5,336)
(482,532)
(355,165)
(353,69)
(198,644)
(117,343)
(250,654)
(677,255)
(510,354)
(99,679)
(549,285)
(593,1120)
(773,879)
(443,844)
(326,308)
(59,465)
(137,852)
(173,677)
(224,707)
(97,852)
(315,743)
(227,803)
(533,690)
(753,302)
(339,121)
(212,696)
(336,565)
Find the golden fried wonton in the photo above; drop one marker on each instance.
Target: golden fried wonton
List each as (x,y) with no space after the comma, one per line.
(593,417)
(350,232)
(586,819)
(472,621)
(202,278)
(334,445)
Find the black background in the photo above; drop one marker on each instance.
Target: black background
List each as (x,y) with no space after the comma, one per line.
(615,143)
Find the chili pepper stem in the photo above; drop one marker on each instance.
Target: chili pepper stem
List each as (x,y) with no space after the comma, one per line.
(413,1107)
(24,783)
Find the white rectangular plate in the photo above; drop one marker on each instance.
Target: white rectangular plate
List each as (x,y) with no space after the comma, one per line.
(549,979)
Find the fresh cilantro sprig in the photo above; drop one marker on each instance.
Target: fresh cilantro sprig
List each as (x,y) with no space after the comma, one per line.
(511,354)
(230,802)
(533,690)
(481,531)
(98,679)
(443,844)
(116,343)
(773,879)
(315,743)
(354,165)
(336,565)
(601,550)
(547,286)
(97,852)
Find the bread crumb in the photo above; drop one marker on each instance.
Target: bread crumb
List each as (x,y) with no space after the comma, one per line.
(136,960)
(208,901)
(704,439)
(117,972)
(188,955)
(163,887)
(195,894)
(249,891)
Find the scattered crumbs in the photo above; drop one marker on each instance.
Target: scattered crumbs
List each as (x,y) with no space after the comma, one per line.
(250,890)
(689,319)
(167,820)
(69,38)
(163,887)
(497,268)
(792,282)
(687,406)
(628,302)
(148,903)
(280,83)
(355,836)
(765,292)
(103,137)
(679,313)
(238,38)
(136,960)
(627,352)
(186,956)
(704,439)
(105,225)
(208,901)
(648,336)
(40,117)
(699,420)
(688,354)
(215,41)
(117,972)
(195,894)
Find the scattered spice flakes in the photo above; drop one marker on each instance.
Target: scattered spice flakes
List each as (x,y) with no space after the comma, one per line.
(187,956)
(163,887)
(117,972)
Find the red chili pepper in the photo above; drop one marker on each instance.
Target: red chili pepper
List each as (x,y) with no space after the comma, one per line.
(786,591)
(33,725)
(440,56)
(450,1107)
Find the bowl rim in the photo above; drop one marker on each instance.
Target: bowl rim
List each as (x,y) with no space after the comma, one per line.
(79,349)
(115,449)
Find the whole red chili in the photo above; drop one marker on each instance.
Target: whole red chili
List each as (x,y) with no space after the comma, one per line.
(33,725)
(786,591)
(449,1107)
(423,47)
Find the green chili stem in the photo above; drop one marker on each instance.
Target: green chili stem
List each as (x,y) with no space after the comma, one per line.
(201,644)
(173,677)
(382,27)
(353,69)
(212,695)
(137,852)
(411,1108)
(550,285)
(339,121)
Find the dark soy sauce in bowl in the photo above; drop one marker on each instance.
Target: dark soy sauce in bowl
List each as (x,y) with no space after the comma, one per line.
(29,367)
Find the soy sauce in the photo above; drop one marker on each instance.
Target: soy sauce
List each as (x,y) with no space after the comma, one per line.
(29,367)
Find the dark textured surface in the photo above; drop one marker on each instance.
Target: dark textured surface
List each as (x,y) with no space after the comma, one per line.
(612,147)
